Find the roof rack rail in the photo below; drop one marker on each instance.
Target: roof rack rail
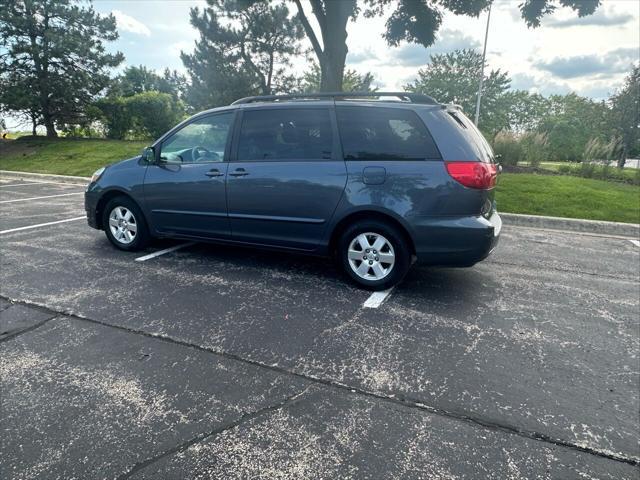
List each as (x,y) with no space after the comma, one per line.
(405,96)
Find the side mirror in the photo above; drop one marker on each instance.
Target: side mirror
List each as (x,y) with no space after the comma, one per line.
(149,155)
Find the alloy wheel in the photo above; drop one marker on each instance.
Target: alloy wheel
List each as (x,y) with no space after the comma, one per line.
(123,225)
(371,256)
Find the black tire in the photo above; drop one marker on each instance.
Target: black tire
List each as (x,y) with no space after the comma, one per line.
(396,240)
(141,237)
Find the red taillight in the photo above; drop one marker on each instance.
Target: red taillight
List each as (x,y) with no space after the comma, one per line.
(474,174)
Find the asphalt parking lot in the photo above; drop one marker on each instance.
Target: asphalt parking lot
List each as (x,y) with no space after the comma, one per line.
(219,362)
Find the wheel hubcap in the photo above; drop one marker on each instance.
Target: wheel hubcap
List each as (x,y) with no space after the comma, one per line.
(123,225)
(371,256)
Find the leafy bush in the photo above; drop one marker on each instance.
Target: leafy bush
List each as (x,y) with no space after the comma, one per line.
(587,169)
(116,117)
(154,113)
(144,115)
(507,145)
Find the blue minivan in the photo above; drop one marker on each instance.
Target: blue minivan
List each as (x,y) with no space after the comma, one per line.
(376,182)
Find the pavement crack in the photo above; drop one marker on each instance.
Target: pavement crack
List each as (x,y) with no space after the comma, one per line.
(513,430)
(28,329)
(397,399)
(212,433)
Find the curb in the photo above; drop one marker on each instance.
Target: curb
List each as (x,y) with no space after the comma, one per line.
(514,219)
(43,177)
(572,224)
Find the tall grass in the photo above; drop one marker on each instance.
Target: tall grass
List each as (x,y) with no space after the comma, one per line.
(535,146)
(513,148)
(508,149)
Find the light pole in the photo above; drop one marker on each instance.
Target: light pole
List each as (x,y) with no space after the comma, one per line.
(484,53)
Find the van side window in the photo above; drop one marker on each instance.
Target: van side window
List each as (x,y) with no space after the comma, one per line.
(377,133)
(285,134)
(201,141)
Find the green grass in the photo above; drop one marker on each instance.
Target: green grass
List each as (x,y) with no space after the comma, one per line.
(566,196)
(554,195)
(64,156)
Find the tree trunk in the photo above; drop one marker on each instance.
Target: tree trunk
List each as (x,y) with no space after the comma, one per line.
(622,159)
(334,39)
(51,129)
(34,125)
(332,68)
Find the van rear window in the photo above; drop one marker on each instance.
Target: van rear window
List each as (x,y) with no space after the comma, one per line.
(474,135)
(377,133)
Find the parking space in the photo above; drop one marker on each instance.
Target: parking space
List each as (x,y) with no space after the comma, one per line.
(27,204)
(13,191)
(528,361)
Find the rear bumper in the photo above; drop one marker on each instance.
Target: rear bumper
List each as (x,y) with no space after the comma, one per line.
(456,242)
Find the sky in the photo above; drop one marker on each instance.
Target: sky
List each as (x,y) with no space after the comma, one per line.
(589,55)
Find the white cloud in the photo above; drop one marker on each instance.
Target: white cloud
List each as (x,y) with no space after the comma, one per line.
(127,23)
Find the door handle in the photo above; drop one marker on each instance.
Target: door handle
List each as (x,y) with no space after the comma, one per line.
(239,172)
(214,173)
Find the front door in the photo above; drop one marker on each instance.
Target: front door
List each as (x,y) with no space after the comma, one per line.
(185,190)
(286,180)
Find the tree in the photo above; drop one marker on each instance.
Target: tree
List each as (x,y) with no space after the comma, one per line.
(16,99)
(625,113)
(54,52)
(415,21)
(570,122)
(453,78)
(134,80)
(524,110)
(140,103)
(244,48)
(352,81)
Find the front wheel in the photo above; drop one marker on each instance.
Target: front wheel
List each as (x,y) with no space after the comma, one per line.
(374,254)
(124,224)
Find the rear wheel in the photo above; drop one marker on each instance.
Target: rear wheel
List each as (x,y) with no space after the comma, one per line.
(124,224)
(374,254)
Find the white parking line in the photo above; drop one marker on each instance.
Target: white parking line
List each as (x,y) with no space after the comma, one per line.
(7,185)
(22,184)
(39,198)
(42,225)
(376,298)
(635,242)
(162,252)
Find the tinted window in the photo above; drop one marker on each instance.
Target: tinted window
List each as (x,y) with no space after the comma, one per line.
(285,134)
(376,133)
(484,149)
(201,141)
